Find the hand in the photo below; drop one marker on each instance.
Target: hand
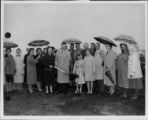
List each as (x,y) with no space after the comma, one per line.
(50,66)
(131,76)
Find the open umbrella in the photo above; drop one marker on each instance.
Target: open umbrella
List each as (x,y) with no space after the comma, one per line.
(71,40)
(10,44)
(105,40)
(38,43)
(126,38)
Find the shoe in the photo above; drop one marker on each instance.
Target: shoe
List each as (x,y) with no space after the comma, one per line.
(47,92)
(31,91)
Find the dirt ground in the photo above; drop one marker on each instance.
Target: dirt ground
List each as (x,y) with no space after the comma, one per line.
(39,103)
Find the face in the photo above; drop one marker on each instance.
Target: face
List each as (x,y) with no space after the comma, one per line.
(107,47)
(8,51)
(71,46)
(18,52)
(32,52)
(77,46)
(92,45)
(87,53)
(45,50)
(97,46)
(86,46)
(49,50)
(39,52)
(64,47)
(79,57)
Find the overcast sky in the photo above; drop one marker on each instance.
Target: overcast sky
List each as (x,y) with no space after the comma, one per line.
(56,22)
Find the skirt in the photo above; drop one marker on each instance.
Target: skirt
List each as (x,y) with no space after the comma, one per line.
(136,83)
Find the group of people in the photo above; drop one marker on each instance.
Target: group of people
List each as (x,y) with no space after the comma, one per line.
(94,67)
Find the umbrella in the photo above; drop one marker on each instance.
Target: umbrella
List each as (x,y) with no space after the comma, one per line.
(105,40)
(126,38)
(8,44)
(71,40)
(72,76)
(109,75)
(38,43)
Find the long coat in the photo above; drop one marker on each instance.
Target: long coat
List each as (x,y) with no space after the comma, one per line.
(49,74)
(89,68)
(109,62)
(31,70)
(10,66)
(134,67)
(62,60)
(122,67)
(98,65)
(19,76)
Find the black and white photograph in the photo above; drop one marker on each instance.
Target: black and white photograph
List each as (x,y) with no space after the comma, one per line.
(73,59)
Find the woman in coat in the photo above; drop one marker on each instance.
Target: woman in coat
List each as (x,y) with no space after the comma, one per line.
(48,65)
(99,75)
(89,71)
(10,69)
(134,71)
(39,68)
(109,66)
(122,67)
(31,69)
(19,76)
(62,61)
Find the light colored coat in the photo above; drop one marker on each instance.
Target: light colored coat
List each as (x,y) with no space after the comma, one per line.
(109,61)
(89,68)
(98,66)
(134,68)
(31,70)
(62,60)
(18,77)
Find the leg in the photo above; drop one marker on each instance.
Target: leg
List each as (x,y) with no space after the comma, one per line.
(51,89)
(81,88)
(39,86)
(30,88)
(77,88)
(112,90)
(91,87)
(135,96)
(125,93)
(47,89)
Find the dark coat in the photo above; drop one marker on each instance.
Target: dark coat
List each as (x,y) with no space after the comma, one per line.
(49,75)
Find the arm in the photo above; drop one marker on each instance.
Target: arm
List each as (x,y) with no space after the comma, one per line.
(111,60)
(32,60)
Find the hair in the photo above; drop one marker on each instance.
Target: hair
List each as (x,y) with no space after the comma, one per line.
(38,50)
(63,43)
(30,50)
(78,56)
(110,45)
(8,49)
(49,47)
(93,44)
(98,44)
(126,46)
(18,49)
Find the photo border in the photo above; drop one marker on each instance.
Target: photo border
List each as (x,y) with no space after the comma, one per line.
(65,117)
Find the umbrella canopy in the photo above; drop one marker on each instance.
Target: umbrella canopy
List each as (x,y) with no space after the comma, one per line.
(71,40)
(105,40)
(38,43)
(126,38)
(8,44)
